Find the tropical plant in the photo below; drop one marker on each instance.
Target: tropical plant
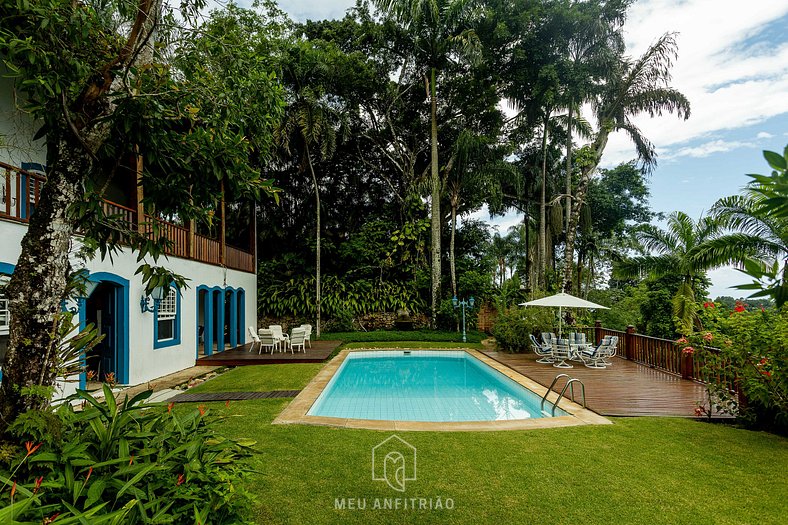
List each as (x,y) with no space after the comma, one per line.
(634,87)
(440,33)
(681,250)
(513,328)
(311,123)
(125,462)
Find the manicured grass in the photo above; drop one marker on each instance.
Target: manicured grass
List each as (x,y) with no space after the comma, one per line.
(261,378)
(409,335)
(414,344)
(639,470)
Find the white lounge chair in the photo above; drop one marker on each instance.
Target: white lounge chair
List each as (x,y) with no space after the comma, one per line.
(255,338)
(266,340)
(544,352)
(595,357)
(297,338)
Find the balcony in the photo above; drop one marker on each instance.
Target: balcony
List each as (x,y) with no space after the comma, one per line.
(19,194)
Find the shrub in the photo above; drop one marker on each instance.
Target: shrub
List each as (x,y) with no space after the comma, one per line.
(513,327)
(751,354)
(122,463)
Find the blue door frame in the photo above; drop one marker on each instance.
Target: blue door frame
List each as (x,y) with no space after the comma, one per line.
(214,305)
(121,323)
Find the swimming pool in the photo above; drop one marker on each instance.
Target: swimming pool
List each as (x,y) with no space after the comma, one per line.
(421,385)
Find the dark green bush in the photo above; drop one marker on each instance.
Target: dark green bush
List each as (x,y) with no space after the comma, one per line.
(513,327)
(122,463)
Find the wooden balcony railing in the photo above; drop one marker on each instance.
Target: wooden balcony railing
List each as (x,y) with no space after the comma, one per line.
(19,191)
(19,194)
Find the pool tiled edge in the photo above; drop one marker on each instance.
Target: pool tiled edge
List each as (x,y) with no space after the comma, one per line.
(296,411)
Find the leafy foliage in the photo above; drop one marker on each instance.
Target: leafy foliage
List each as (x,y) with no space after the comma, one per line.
(364,296)
(514,327)
(437,336)
(122,463)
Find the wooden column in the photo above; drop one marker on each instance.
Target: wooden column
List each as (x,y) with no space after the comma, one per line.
(687,366)
(598,331)
(629,342)
(140,194)
(222,236)
(192,230)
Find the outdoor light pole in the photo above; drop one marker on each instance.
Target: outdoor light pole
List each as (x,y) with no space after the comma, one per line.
(463,304)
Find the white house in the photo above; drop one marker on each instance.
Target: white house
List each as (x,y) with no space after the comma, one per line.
(144,339)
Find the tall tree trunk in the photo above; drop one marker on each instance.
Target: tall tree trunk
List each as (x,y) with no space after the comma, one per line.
(436,200)
(598,147)
(37,287)
(568,189)
(527,221)
(543,211)
(317,239)
(454,203)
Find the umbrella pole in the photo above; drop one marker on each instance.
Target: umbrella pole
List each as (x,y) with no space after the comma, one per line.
(560,322)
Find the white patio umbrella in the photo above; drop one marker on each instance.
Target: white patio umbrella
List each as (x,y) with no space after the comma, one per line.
(564,300)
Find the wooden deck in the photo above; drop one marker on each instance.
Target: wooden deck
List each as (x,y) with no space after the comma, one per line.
(624,389)
(241,356)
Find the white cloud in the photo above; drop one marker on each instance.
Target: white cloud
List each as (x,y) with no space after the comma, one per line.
(729,85)
(764,135)
(708,148)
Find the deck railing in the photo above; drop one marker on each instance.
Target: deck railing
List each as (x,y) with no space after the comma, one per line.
(19,194)
(19,191)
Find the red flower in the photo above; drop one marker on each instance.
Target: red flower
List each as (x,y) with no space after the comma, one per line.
(30,448)
(739,308)
(682,341)
(13,490)
(90,471)
(169,407)
(201,408)
(763,309)
(131,459)
(708,336)
(698,411)
(767,373)
(689,350)
(764,361)
(227,403)
(709,304)
(181,479)
(38,484)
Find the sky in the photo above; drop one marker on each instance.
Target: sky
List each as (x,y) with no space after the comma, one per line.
(733,67)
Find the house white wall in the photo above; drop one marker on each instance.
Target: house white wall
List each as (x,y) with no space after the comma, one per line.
(145,361)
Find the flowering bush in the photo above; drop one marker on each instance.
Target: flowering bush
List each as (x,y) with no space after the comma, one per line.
(122,463)
(750,355)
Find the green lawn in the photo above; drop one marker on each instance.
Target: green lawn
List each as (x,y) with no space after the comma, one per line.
(639,470)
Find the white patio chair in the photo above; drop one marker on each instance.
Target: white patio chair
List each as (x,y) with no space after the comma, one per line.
(544,352)
(255,338)
(307,334)
(561,353)
(297,338)
(281,338)
(611,350)
(595,357)
(266,340)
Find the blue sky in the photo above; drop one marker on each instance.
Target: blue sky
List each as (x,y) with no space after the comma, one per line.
(732,65)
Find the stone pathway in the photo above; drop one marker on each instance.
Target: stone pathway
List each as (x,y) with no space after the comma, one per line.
(232,396)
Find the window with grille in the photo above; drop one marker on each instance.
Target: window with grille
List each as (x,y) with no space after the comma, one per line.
(167,321)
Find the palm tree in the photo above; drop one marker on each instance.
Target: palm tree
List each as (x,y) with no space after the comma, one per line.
(634,87)
(440,32)
(310,122)
(683,250)
(758,237)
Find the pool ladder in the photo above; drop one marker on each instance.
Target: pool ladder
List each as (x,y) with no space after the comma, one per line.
(570,383)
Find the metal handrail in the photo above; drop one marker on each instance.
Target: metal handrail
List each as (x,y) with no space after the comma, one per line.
(571,381)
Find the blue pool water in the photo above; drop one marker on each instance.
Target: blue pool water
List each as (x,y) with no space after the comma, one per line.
(424,386)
